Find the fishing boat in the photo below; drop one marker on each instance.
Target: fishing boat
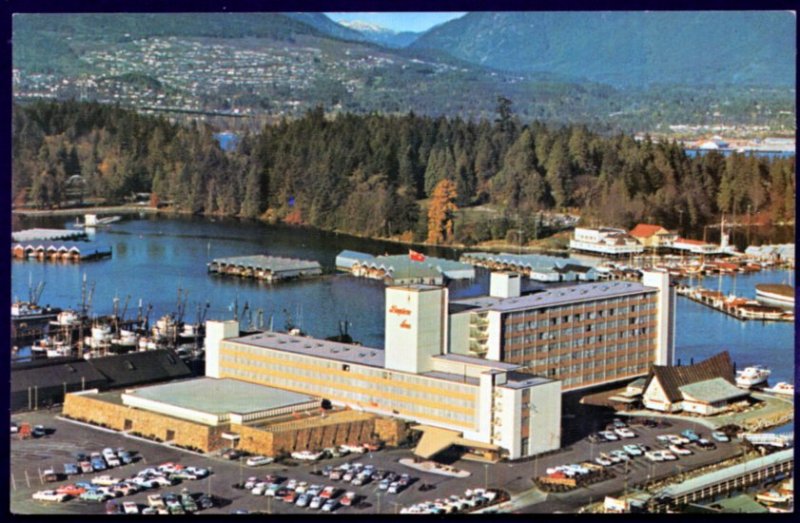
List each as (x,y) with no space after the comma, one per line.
(775,294)
(66,318)
(752,311)
(782,388)
(773,496)
(751,376)
(59,349)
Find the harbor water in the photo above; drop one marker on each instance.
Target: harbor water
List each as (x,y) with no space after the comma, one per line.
(154,257)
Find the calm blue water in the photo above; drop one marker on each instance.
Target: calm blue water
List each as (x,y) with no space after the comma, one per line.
(153,257)
(691,153)
(227,140)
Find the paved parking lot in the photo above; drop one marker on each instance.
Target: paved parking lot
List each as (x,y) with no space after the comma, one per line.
(31,456)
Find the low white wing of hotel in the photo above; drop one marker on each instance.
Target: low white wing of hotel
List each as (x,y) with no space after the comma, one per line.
(428,372)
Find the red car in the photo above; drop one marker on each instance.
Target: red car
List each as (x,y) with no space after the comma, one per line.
(71,490)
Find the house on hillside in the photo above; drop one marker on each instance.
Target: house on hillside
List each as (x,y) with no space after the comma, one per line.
(705,388)
(653,236)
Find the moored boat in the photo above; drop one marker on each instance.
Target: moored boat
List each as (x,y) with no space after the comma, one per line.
(777,294)
(751,376)
(782,388)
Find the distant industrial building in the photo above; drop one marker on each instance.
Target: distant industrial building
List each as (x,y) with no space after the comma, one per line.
(402,270)
(704,388)
(585,335)
(605,241)
(40,383)
(537,267)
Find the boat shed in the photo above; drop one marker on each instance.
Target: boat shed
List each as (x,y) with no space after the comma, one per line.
(535,266)
(46,235)
(346,259)
(59,251)
(400,269)
(267,268)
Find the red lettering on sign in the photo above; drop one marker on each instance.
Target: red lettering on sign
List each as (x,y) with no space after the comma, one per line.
(394,309)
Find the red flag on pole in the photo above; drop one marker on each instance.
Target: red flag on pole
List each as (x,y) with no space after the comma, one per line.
(416,256)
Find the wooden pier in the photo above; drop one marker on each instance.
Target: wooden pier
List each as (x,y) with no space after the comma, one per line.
(739,308)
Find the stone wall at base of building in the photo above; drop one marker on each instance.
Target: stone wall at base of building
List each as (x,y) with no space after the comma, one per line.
(391,431)
(94,409)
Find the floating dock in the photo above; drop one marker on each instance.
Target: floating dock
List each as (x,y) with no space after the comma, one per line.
(59,252)
(46,235)
(266,268)
(739,308)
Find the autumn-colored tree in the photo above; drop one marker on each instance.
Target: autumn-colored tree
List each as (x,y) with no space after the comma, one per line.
(441,212)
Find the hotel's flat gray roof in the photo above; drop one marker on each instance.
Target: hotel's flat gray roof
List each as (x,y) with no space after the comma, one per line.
(449,376)
(220,396)
(521,380)
(315,347)
(561,295)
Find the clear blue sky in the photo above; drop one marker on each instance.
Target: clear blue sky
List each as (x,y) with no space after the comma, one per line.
(398,21)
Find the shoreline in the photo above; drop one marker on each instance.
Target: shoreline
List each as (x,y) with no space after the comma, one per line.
(490,246)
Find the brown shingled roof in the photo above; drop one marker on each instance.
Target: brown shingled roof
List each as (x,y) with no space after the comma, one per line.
(671,377)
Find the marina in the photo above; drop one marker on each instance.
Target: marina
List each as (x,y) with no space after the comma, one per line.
(46,235)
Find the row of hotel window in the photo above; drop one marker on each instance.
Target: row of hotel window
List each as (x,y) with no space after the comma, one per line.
(585,340)
(531,325)
(567,314)
(333,365)
(364,400)
(599,356)
(618,372)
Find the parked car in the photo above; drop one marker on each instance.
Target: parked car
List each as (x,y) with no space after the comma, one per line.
(625,432)
(71,490)
(70,469)
(38,431)
(618,423)
(621,454)
(608,435)
(654,455)
(681,451)
(155,500)
(257,461)
(125,457)
(113,507)
(668,456)
(113,461)
(98,464)
(95,495)
(205,502)
(316,503)
(350,498)
(720,436)
(633,450)
(50,475)
(705,444)
(330,505)
(50,495)
(188,502)
(691,435)
(303,500)
(130,507)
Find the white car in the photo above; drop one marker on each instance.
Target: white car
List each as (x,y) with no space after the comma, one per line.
(610,436)
(316,502)
(654,455)
(49,495)
(105,481)
(257,461)
(200,472)
(633,450)
(129,507)
(668,456)
(330,505)
(720,436)
(113,461)
(681,451)
(624,432)
(603,461)
(621,454)
(611,457)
